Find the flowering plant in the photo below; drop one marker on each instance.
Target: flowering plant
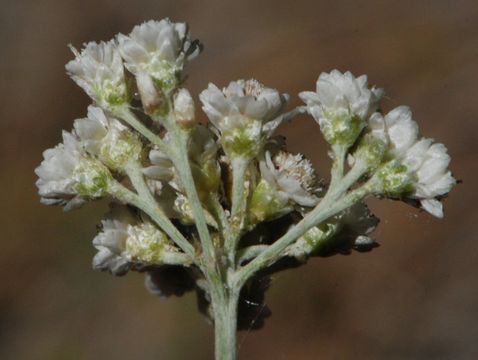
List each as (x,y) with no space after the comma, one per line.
(218,208)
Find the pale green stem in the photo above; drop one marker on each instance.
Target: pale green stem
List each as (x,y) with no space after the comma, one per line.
(250,252)
(123,194)
(180,159)
(225,304)
(328,207)
(128,116)
(219,215)
(239,203)
(337,171)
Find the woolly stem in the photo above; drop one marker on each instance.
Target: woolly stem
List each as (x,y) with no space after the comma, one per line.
(123,194)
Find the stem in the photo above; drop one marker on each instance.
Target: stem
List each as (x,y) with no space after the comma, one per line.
(225,323)
(127,115)
(326,208)
(125,195)
(181,161)
(220,216)
(337,171)
(250,252)
(238,208)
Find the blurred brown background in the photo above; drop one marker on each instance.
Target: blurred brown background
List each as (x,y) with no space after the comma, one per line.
(415,297)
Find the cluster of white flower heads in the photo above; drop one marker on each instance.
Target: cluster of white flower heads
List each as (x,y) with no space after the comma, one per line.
(185,194)
(408,167)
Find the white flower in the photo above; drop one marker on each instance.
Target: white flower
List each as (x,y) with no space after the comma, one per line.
(341,105)
(151,99)
(158,48)
(397,129)
(108,139)
(287,180)
(240,112)
(125,242)
(56,173)
(429,163)
(67,177)
(416,168)
(184,108)
(388,136)
(111,242)
(98,69)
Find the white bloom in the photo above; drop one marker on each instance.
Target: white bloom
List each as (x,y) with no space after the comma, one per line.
(98,69)
(111,242)
(397,129)
(184,108)
(240,112)
(125,242)
(341,105)
(108,139)
(417,168)
(67,177)
(287,180)
(292,176)
(429,163)
(56,173)
(388,136)
(158,48)
(151,99)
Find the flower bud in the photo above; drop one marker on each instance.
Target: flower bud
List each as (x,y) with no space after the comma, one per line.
(370,151)
(184,109)
(151,98)
(395,179)
(98,69)
(145,243)
(108,139)
(91,178)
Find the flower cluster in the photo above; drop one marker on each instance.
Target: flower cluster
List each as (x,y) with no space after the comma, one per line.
(218,205)
(388,146)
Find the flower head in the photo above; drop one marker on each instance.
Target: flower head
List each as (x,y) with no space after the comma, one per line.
(159,49)
(184,108)
(126,241)
(416,168)
(287,180)
(108,139)
(68,177)
(429,163)
(341,105)
(240,112)
(98,69)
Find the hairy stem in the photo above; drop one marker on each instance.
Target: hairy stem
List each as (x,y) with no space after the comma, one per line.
(123,194)
(181,161)
(239,203)
(338,166)
(128,116)
(224,303)
(250,252)
(324,210)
